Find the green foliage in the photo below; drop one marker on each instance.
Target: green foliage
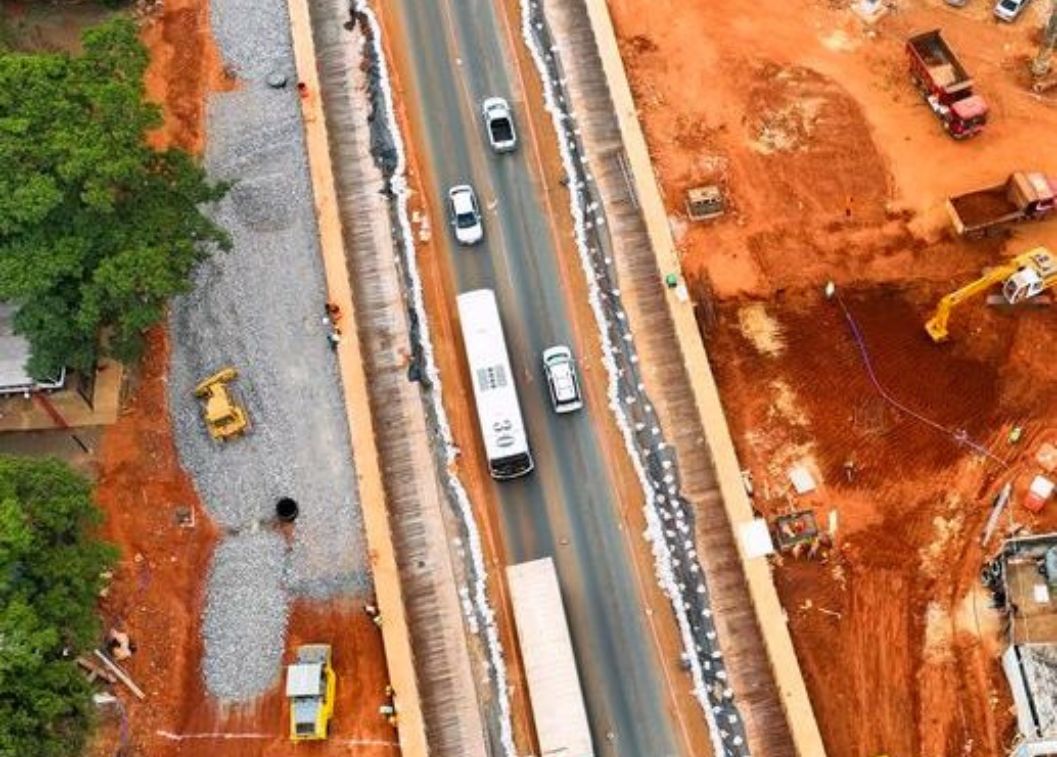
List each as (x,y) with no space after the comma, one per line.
(50,566)
(97,230)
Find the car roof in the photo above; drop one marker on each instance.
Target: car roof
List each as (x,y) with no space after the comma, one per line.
(461,198)
(564,383)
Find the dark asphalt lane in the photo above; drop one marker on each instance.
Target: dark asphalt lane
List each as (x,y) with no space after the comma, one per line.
(459,55)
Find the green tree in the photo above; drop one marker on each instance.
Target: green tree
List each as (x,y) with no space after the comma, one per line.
(97,229)
(50,575)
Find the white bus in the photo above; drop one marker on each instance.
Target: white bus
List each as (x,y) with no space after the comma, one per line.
(498,411)
(550,666)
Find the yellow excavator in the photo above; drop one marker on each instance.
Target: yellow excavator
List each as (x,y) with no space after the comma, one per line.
(223,416)
(1021,278)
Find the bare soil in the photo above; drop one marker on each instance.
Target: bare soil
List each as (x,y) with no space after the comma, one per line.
(836,171)
(48,27)
(185,66)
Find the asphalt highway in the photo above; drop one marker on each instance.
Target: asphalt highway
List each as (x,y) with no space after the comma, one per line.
(459,54)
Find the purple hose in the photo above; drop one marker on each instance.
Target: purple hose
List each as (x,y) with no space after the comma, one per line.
(960,437)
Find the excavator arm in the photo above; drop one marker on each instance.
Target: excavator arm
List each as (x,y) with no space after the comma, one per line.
(1039,273)
(937,324)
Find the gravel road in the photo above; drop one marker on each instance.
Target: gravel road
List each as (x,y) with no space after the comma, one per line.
(259,308)
(243,629)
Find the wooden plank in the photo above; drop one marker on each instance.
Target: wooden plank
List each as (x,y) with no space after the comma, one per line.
(121,675)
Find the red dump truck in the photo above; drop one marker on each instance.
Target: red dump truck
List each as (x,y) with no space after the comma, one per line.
(1024,196)
(945,85)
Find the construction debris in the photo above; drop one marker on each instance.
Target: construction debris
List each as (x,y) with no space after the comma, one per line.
(95,671)
(1039,491)
(705,203)
(1001,499)
(121,675)
(803,481)
(118,645)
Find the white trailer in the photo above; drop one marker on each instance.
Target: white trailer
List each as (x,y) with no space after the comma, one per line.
(550,665)
(494,391)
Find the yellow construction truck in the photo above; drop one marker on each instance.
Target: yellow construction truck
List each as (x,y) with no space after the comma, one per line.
(1021,278)
(310,687)
(223,416)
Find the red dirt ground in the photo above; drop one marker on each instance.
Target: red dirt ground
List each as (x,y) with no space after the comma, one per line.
(184,66)
(157,590)
(835,170)
(156,596)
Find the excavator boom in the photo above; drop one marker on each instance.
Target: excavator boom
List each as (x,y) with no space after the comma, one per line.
(1039,260)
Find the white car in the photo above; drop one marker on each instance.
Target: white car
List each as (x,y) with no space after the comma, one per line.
(499,124)
(465,215)
(561,379)
(1008,10)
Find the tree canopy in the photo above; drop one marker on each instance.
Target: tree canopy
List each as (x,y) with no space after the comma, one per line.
(97,229)
(50,577)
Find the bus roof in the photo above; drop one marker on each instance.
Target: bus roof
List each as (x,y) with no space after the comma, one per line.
(494,390)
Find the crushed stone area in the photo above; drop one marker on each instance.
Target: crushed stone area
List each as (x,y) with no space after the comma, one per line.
(259,308)
(245,621)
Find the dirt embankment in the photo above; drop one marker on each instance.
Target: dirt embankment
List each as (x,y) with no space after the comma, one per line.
(156,590)
(836,171)
(185,66)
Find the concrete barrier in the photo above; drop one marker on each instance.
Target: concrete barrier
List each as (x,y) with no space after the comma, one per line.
(769,612)
(372,497)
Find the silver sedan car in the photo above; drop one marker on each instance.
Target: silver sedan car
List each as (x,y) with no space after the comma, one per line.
(561,379)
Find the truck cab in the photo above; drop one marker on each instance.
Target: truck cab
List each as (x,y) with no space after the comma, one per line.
(967,117)
(1039,192)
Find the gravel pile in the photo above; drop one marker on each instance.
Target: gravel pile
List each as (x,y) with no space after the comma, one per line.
(244,628)
(259,308)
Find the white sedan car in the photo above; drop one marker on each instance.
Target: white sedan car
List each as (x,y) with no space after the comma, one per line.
(499,124)
(1008,10)
(465,215)
(561,379)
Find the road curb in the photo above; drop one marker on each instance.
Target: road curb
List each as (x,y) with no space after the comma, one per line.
(372,498)
(768,610)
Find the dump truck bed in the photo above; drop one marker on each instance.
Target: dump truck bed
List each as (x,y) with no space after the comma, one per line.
(937,58)
(975,211)
(1024,195)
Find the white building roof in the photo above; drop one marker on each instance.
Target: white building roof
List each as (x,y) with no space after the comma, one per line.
(14,352)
